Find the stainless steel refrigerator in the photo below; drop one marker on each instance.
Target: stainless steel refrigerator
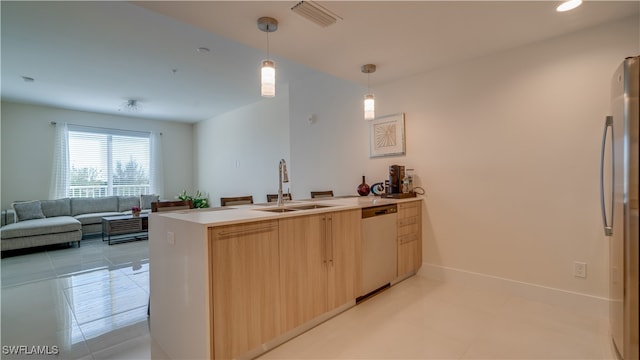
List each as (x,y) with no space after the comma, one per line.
(619,199)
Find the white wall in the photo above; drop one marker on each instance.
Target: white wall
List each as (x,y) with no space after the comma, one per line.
(257,136)
(238,152)
(327,153)
(508,149)
(27,148)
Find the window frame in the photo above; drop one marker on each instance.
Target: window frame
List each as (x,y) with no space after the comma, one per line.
(110,133)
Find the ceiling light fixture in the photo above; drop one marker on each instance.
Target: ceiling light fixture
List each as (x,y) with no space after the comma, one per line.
(132,106)
(568,5)
(268,72)
(369,100)
(316,13)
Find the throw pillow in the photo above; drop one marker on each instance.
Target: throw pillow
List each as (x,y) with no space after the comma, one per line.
(146,200)
(125,203)
(28,210)
(59,207)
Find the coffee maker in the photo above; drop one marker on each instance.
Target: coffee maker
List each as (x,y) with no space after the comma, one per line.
(399,184)
(396,175)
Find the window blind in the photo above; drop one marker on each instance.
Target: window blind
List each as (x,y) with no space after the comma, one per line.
(105,162)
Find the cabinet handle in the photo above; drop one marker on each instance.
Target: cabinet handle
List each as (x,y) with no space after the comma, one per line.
(245,231)
(324,240)
(330,239)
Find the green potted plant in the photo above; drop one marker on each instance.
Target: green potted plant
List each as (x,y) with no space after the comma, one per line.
(199,200)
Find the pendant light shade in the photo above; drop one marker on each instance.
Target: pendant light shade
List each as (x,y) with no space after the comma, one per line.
(369,99)
(568,5)
(268,79)
(268,72)
(369,107)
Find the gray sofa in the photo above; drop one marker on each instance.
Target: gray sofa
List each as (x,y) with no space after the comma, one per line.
(46,222)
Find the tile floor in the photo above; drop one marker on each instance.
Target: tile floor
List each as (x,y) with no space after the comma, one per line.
(91,302)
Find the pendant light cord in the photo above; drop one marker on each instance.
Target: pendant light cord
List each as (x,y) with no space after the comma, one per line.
(267,42)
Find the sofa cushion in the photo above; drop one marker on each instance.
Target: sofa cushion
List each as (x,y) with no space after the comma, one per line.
(59,207)
(146,200)
(95,218)
(93,205)
(125,203)
(40,240)
(28,210)
(53,225)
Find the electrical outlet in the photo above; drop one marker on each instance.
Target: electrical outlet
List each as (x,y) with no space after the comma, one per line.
(579,269)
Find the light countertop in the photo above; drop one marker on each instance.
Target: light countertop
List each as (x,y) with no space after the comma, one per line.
(249,213)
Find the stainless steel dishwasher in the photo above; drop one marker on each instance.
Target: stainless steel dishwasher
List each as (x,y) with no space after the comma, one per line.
(379,247)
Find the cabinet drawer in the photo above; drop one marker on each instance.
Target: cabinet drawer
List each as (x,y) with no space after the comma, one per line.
(409,229)
(407,221)
(408,210)
(407,238)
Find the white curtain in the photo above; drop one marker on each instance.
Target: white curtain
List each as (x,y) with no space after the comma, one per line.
(61,169)
(157,174)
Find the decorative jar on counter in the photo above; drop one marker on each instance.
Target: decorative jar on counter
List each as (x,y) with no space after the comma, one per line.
(363,189)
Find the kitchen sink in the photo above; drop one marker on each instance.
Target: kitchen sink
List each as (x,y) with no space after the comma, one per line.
(295,208)
(310,207)
(277,210)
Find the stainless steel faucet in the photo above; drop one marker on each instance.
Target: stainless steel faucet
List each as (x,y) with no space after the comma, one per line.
(283,176)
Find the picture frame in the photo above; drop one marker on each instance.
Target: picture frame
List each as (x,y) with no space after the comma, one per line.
(386,136)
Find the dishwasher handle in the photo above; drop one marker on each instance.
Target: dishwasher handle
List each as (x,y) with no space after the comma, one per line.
(379,210)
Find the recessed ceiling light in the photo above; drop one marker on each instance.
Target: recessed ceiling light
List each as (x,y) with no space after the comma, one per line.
(568,5)
(203,50)
(28,79)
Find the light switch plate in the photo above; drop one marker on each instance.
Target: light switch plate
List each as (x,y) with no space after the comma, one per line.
(580,269)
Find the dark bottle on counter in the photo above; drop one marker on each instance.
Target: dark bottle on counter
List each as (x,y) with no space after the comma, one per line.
(363,189)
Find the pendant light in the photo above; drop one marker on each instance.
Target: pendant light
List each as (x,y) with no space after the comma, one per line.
(369,100)
(268,72)
(568,5)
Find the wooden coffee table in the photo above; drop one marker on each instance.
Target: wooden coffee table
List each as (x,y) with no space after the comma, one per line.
(136,227)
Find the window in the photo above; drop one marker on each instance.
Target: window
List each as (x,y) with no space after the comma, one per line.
(105,162)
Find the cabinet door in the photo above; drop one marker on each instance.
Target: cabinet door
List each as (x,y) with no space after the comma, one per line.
(345,256)
(409,237)
(303,269)
(409,254)
(246,294)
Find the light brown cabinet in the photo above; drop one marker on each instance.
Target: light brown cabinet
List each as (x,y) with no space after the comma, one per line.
(235,291)
(320,264)
(345,270)
(244,269)
(409,237)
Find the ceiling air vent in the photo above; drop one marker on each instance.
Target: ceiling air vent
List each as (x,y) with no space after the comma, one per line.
(316,13)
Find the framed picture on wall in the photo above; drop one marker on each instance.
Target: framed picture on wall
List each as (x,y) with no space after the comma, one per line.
(386,136)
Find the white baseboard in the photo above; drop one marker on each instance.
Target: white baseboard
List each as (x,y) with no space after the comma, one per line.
(584,303)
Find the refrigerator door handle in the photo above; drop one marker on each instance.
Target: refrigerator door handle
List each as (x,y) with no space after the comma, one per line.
(608,227)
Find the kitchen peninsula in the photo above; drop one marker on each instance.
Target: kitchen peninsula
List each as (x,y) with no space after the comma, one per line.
(235,282)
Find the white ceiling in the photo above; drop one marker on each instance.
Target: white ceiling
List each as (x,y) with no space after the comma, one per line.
(93,56)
